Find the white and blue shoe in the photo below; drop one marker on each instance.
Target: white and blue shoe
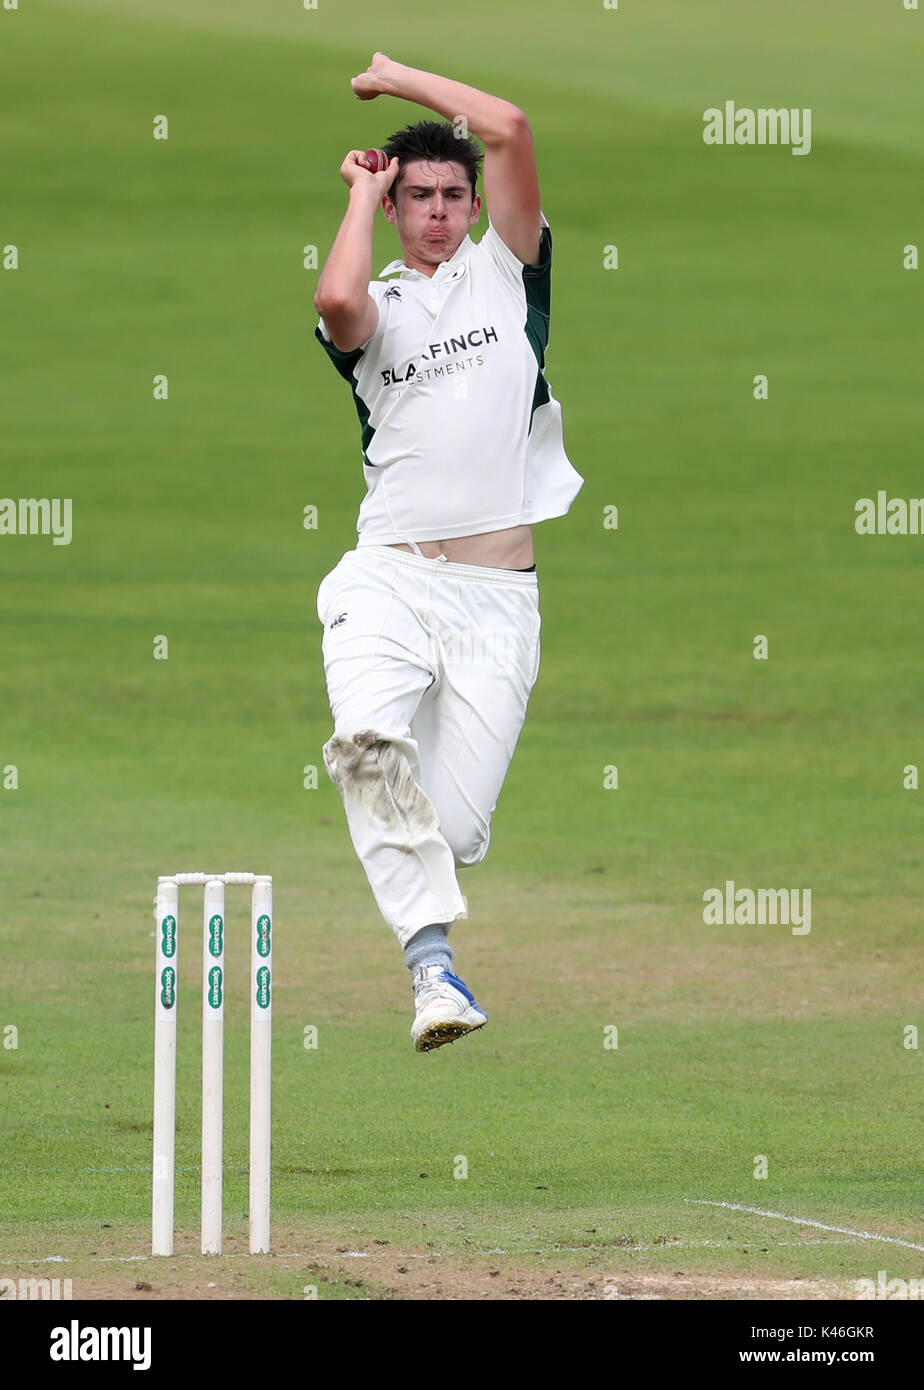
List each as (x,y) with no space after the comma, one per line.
(446,1008)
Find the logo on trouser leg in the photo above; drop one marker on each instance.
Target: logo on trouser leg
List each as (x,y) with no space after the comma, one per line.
(341,618)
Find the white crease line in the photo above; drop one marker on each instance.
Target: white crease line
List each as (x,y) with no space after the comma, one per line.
(800,1221)
(635,1249)
(434,1254)
(157,1260)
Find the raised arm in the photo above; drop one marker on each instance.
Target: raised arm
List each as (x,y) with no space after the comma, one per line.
(511,183)
(342,295)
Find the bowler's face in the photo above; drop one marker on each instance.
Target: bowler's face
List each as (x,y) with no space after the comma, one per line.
(432,210)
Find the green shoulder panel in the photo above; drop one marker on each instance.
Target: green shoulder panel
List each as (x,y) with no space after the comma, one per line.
(537,282)
(345,362)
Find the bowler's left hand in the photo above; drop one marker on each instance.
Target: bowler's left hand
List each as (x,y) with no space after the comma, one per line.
(373,82)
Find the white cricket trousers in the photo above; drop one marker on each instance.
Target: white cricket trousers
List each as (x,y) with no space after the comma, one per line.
(429,667)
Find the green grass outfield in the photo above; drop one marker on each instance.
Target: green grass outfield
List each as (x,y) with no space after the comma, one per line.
(585,1164)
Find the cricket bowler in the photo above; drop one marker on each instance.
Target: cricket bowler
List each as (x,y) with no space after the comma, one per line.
(431,623)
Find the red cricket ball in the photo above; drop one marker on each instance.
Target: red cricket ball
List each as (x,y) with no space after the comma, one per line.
(375,161)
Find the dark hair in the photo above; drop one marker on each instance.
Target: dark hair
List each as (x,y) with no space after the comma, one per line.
(437,142)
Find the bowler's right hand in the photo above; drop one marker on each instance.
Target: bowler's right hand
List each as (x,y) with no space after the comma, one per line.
(351,171)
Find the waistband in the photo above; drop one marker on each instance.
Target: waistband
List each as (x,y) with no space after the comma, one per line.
(484,574)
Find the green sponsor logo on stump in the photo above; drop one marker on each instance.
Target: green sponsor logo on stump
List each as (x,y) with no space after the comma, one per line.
(168,986)
(216,935)
(264,931)
(214,994)
(263,987)
(168,936)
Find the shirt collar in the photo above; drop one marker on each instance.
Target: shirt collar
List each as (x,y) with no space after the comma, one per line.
(444,271)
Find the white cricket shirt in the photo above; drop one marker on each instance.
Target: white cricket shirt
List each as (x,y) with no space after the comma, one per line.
(460,432)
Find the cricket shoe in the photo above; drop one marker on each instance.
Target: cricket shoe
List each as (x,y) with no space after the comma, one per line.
(446,1008)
